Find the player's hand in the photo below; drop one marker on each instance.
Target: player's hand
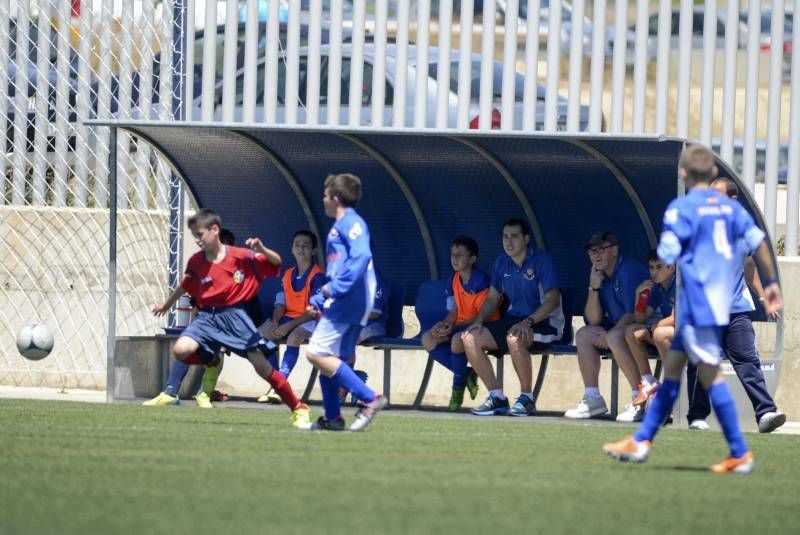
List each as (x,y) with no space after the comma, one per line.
(522,332)
(278,333)
(645,285)
(773,300)
(601,342)
(254,244)
(313,312)
(441,329)
(160,310)
(317,303)
(474,327)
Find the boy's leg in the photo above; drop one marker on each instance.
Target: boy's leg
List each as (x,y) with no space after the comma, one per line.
(297,337)
(699,406)
(476,343)
(459,357)
(636,337)
(592,404)
(277,381)
(621,353)
(183,348)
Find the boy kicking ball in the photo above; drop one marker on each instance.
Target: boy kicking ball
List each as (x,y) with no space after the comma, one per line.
(708,235)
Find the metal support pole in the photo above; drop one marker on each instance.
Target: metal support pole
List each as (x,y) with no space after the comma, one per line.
(112,265)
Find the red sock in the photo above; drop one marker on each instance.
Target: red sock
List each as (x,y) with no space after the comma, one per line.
(281,386)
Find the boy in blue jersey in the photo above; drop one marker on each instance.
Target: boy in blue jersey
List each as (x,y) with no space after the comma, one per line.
(528,282)
(343,306)
(654,325)
(610,300)
(709,236)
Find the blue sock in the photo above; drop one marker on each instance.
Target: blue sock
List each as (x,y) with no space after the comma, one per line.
(348,379)
(177,372)
(330,396)
(289,360)
(458,361)
(273,360)
(725,409)
(659,410)
(442,355)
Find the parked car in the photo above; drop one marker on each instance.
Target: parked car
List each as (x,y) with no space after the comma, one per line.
(567,23)
(761,158)
(765,37)
(366,98)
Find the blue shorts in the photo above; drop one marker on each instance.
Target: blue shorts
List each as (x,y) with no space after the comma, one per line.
(334,338)
(230,327)
(703,345)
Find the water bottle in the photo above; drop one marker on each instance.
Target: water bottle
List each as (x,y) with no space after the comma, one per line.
(184,311)
(641,303)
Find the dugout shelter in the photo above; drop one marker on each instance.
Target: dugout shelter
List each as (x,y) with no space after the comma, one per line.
(421,188)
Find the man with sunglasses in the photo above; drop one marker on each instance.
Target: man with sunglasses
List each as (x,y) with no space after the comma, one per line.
(610,301)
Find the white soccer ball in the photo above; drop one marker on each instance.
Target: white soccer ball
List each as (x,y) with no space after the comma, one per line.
(35,341)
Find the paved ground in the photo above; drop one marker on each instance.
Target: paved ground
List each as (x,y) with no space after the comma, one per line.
(95,396)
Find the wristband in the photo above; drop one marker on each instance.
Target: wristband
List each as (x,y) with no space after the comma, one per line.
(769,282)
(594,289)
(530,322)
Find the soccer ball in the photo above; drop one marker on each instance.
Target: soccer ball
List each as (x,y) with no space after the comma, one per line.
(35,341)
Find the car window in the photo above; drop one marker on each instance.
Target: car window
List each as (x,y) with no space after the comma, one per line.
(33,43)
(475,81)
(344,88)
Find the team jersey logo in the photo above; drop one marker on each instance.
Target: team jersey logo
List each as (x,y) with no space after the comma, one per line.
(333,233)
(529,274)
(616,286)
(355,231)
(206,280)
(238,276)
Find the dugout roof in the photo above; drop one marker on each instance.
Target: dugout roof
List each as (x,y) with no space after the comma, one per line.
(421,188)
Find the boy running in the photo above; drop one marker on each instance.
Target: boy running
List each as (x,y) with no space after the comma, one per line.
(709,236)
(343,304)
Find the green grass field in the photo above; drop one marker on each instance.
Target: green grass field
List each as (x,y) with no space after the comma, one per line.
(90,468)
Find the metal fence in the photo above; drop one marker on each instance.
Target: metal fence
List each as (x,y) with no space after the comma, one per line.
(722,73)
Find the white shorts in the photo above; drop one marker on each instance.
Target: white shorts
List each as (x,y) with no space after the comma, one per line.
(701,344)
(333,339)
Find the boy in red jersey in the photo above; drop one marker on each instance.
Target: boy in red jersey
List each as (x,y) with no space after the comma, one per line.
(222,278)
(469,289)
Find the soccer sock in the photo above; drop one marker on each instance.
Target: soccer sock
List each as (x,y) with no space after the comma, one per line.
(289,360)
(497,393)
(348,379)
(330,396)
(458,362)
(273,360)
(442,355)
(210,376)
(659,410)
(725,409)
(281,386)
(177,372)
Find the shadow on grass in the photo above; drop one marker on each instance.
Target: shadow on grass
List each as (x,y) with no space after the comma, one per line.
(680,468)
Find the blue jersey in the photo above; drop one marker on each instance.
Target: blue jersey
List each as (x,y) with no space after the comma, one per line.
(662,300)
(523,287)
(351,277)
(709,236)
(618,292)
(381,303)
(742,299)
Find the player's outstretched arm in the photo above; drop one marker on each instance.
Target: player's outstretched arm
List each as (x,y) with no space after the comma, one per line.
(163,308)
(773,299)
(257,246)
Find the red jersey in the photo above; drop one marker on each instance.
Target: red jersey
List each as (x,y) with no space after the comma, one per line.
(296,302)
(233,280)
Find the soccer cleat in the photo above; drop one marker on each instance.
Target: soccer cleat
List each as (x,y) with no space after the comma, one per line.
(770,421)
(737,465)
(456,400)
(491,407)
(301,416)
(203,401)
(524,406)
(162,400)
(472,384)
(699,425)
(588,408)
(628,449)
(323,424)
(632,413)
(646,392)
(367,412)
(270,397)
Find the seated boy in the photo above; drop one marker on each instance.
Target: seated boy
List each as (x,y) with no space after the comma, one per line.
(654,324)
(290,318)
(469,289)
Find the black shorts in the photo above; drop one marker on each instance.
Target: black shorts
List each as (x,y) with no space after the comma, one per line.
(499,330)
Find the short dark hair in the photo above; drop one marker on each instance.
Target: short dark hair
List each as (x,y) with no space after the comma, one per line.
(521,223)
(346,187)
(652,256)
(310,235)
(731,189)
(227,237)
(698,163)
(467,243)
(205,218)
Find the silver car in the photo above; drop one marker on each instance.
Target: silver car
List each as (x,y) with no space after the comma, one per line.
(390,97)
